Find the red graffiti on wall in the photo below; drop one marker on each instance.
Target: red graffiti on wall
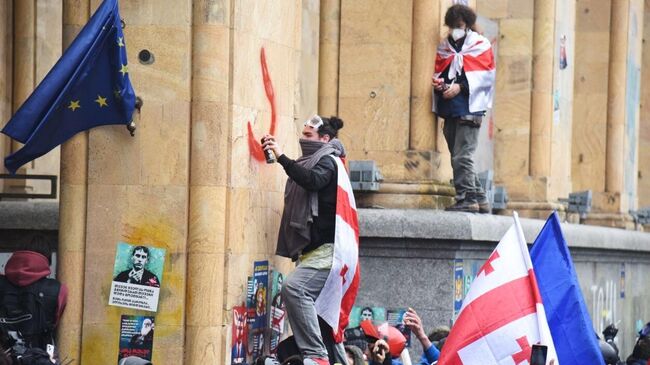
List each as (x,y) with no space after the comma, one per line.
(254,145)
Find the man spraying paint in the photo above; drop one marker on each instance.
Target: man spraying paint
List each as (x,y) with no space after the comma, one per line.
(319,229)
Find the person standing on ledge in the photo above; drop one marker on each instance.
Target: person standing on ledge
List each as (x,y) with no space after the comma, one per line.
(309,233)
(463,85)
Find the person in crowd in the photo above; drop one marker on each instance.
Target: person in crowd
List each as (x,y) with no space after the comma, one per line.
(307,230)
(385,343)
(463,85)
(354,355)
(640,353)
(34,318)
(431,353)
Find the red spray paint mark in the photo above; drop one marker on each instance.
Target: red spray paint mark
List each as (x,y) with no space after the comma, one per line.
(254,145)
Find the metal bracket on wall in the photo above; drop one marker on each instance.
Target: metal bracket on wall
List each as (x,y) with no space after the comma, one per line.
(53,187)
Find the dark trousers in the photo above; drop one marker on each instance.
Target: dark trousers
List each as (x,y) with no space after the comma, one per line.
(462,139)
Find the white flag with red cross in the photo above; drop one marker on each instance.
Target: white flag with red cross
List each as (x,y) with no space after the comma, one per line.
(337,297)
(502,315)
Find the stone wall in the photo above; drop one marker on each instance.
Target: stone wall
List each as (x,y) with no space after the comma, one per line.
(408,260)
(190,181)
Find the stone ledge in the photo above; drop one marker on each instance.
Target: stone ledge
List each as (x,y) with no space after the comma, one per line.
(29,215)
(441,225)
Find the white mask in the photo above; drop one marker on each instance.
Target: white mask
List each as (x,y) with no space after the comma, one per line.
(457,33)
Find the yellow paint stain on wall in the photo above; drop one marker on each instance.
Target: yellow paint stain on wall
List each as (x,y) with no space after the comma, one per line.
(159,234)
(101,340)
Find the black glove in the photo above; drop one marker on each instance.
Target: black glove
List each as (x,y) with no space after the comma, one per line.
(610,332)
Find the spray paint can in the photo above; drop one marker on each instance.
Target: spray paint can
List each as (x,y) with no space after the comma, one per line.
(270,156)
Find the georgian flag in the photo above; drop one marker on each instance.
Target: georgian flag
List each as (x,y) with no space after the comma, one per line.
(336,299)
(476,58)
(502,315)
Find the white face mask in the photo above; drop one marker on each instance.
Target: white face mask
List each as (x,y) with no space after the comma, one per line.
(457,33)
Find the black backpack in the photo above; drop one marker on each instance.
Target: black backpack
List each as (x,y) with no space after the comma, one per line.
(28,314)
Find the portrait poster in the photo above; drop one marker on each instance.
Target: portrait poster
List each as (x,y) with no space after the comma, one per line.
(277,313)
(136,337)
(260,286)
(395,318)
(239,335)
(361,313)
(137,275)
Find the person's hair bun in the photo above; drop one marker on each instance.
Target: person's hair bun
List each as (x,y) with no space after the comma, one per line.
(336,122)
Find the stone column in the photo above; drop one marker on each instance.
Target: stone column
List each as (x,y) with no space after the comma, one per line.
(426,17)
(644,118)
(72,208)
(618,52)
(24,60)
(211,125)
(6,61)
(541,116)
(328,68)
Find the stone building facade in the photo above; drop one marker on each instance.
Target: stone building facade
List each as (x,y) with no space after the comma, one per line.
(190,181)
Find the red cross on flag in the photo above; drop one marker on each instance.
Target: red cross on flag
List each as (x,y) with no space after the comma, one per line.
(502,315)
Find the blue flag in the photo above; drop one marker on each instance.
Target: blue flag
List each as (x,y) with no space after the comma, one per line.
(566,312)
(89,86)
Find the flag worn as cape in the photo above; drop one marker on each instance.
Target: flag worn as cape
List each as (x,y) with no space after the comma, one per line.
(336,299)
(89,86)
(476,58)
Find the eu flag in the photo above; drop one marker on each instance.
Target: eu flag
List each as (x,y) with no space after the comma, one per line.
(89,86)
(566,312)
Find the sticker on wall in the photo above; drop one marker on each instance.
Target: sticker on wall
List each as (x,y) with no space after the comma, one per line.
(564,63)
(136,337)
(136,277)
(458,286)
(622,283)
(461,2)
(239,335)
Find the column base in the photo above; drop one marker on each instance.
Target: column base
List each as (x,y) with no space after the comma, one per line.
(535,210)
(408,195)
(614,220)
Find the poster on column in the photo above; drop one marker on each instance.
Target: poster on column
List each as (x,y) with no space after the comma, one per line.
(260,288)
(239,335)
(136,277)
(260,300)
(277,313)
(136,337)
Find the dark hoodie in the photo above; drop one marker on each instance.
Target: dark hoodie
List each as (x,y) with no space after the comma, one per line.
(27,267)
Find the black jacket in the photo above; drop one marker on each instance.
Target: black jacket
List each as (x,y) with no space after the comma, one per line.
(148,278)
(322,178)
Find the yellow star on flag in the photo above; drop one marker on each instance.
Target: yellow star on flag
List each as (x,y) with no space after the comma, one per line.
(120,41)
(117,94)
(101,101)
(74,105)
(124,70)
